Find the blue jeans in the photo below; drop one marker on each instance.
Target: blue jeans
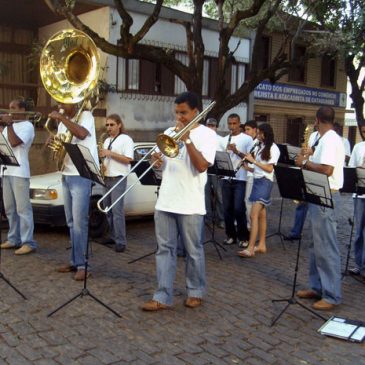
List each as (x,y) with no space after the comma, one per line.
(76,192)
(213,199)
(359,247)
(116,217)
(235,209)
(18,210)
(324,253)
(300,215)
(168,227)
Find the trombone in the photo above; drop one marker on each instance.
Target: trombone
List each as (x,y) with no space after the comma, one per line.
(29,115)
(168,145)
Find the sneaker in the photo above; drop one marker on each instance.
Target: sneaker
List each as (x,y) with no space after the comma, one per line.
(354,271)
(24,250)
(243,244)
(229,241)
(7,245)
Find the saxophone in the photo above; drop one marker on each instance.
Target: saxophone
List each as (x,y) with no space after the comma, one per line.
(307,132)
(101,141)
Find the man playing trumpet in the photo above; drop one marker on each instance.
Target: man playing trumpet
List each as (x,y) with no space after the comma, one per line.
(16,199)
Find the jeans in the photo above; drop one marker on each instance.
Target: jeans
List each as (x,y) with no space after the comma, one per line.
(76,192)
(324,253)
(359,247)
(300,215)
(235,209)
(18,210)
(115,216)
(168,227)
(249,184)
(213,199)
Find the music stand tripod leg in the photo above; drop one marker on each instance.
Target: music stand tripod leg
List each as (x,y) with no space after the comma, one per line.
(85,291)
(278,232)
(292,299)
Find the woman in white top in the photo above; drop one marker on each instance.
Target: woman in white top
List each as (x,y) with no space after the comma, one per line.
(264,157)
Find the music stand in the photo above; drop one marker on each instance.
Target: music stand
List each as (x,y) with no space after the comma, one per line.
(308,186)
(7,158)
(285,173)
(288,154)
(87,168)
(151,177)
(222,167)
(354,182)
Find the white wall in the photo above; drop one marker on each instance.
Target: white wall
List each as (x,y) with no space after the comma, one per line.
(145,112)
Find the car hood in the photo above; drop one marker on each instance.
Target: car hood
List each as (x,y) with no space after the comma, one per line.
(46,181)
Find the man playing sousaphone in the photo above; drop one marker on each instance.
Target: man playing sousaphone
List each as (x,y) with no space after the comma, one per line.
(76,189)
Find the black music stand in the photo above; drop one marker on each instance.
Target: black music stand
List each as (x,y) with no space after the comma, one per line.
(87,168)
(286,191)
(222,167)
(7,158)
(150,177)
(308,186)
(354,182)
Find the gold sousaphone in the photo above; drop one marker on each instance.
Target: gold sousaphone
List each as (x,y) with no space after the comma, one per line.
(69,68)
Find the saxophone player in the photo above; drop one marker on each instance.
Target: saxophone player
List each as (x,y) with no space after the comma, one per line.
(116,156)
(76,189)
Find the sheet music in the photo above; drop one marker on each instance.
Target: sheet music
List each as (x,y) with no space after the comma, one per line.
(89,159)
(338,328)
(317,184)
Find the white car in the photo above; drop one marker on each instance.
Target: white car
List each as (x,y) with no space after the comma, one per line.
(47,197)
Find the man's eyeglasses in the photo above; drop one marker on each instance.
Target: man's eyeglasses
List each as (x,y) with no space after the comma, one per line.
(109,125)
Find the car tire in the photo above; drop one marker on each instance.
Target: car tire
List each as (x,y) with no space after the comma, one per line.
(98,223)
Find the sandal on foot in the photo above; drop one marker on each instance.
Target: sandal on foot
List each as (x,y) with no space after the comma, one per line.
(245,253)
(259,250)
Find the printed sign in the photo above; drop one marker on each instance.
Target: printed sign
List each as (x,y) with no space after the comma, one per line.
(299,94)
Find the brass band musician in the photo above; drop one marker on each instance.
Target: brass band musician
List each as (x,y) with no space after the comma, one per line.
(19,134)
(76,189)
(116,156)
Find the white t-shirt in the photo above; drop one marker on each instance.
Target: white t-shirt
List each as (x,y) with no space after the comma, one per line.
(182,186)
(347,147)
(243,144)
(358,159)
(25,131)
(249,173)
(330,151)
(274,157)
(87,121)
(220,143)
(123,145)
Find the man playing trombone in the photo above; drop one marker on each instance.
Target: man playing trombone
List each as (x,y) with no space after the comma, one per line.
(180,207)
(18,209)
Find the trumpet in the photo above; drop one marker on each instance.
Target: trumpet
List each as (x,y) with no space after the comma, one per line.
(168,145)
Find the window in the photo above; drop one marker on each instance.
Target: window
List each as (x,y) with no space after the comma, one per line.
(264,53)
(238,76)
(297,71)
(144,76)
(328,72)
(179,85)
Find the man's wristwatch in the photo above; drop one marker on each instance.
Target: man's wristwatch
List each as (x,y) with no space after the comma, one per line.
(304,162)
(188,141)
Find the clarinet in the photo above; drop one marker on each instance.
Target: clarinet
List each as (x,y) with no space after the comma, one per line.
(244,159)
(229,141)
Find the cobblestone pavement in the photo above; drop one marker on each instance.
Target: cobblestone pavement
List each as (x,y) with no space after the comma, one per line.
(232,327)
